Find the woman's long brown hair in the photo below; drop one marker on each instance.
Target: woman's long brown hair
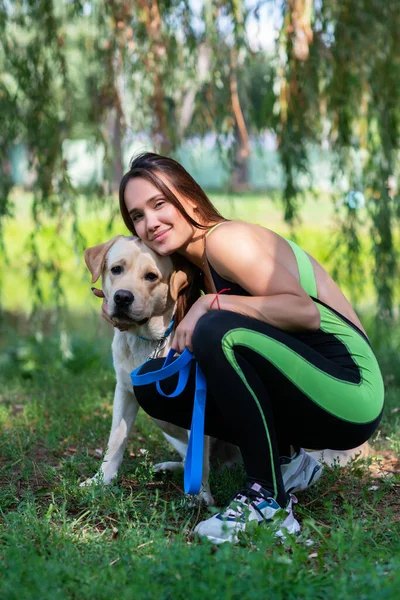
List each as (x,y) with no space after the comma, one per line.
(148,165)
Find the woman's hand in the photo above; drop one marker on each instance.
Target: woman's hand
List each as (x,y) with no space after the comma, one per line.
(184,331)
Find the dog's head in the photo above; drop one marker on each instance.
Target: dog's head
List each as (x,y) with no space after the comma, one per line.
(137,283)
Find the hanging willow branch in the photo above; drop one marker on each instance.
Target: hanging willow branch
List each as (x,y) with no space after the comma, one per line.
(340,84)
(364,98)
(334,79)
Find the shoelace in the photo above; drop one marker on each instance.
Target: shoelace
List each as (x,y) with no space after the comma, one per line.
(250,497)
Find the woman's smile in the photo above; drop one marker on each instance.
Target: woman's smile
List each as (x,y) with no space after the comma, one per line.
(160,235)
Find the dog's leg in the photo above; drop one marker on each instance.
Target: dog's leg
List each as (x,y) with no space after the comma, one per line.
(168,465)
(177,437)
(341,458)
(125,409)
(205,492)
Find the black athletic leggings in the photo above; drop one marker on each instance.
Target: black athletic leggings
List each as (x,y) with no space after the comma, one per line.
(258,404)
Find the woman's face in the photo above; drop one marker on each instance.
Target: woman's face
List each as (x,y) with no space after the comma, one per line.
(156,220)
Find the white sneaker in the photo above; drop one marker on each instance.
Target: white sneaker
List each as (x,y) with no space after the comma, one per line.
(300,471)
(251,505)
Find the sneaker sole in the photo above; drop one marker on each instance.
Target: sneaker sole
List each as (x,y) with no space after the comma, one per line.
(289,526)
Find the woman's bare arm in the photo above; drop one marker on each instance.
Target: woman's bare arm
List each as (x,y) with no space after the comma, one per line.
(240,254)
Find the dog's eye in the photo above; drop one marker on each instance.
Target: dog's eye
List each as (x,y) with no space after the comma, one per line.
(116,270)
(150,276)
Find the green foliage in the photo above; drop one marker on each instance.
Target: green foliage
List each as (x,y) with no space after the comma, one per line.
(109,71)
(33,355)
(135,538)
(346,93)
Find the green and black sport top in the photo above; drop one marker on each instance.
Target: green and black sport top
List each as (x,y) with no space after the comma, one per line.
(269,389)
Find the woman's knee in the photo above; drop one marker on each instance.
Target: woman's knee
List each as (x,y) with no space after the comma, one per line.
(211,328)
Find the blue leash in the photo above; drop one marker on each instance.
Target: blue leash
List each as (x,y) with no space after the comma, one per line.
(194,456)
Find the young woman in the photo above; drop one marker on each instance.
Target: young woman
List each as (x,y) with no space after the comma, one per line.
(286,359)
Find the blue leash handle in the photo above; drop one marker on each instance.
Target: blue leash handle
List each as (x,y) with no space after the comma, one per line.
(194,456)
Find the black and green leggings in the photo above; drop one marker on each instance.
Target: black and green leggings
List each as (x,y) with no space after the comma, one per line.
(269,389)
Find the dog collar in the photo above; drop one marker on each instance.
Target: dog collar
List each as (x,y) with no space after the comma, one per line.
(167,333)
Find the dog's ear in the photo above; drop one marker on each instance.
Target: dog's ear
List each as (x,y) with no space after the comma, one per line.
(181,277)
(96,256)
(179,280)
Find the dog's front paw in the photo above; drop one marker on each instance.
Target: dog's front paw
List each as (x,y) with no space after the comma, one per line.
(206,496)
(88,482)
(203,496)
(98,479)
(167,466)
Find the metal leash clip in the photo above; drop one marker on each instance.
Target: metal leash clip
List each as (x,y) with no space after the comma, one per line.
(158,349)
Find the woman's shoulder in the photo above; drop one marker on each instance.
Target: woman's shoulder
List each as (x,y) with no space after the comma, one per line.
(236,243)
(236,231)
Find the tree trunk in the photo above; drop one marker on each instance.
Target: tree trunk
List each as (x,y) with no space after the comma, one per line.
(114,135)
(300,27)
(188,103)
(240,170)
(154,62)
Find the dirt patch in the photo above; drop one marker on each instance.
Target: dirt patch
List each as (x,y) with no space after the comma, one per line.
(384,464)
(374,475)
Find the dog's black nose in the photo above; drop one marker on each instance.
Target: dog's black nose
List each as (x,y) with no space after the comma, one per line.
(123,298)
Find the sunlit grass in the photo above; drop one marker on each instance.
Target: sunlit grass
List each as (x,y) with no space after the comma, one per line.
(55,242)
(135,538)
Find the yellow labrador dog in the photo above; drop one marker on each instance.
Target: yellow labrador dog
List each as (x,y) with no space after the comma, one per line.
(140,290)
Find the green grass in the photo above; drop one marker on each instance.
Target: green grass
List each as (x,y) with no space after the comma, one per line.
(55,242)
(135,538)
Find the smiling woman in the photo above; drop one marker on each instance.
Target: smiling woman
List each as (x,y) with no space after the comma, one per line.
(168,181)
(162,204)
(286,359)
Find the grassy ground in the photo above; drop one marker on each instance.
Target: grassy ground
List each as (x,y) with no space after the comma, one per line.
(135,538)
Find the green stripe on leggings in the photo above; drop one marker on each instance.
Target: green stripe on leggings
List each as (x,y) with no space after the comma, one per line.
(354,402)
(227,347)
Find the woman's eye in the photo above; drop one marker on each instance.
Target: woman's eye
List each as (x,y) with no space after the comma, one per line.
(151,276)
(136,218)
(116,270)
(159,204)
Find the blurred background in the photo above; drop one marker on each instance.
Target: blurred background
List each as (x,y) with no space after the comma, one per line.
(286,112)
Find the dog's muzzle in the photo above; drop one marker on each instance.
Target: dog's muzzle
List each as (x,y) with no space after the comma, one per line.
(123,298)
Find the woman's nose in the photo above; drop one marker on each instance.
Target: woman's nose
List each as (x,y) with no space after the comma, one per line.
(152,222)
